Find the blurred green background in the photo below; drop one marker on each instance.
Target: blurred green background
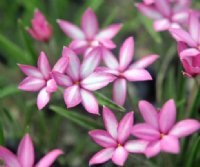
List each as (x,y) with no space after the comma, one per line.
(18,112)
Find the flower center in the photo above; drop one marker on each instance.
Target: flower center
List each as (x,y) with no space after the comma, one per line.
(119,145)
(94,43)
(162,135)
(77,83)
(198,47)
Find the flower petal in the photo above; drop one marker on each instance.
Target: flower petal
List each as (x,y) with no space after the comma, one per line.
(189,52)
(9,158)
(163,6)
(185,128)
(78,46)
(194,26)
(119,156)
(167,116)
(149,113)
(145,61)
(102,138)
(149,11)
(102,156)
(51,86)
(25,152)
(97,80)
(109,32)
(110,122)
(124,128)
(91,62)
(182,36)
(181,47)
(136,146)
(43,65)
(119,91)
(153,149)
(89,23)
(170,144)
(61,79)
(137,75)
(49,158)
(30,71)
(161,25)
(109,59)
(145,131)
(107,43)
(72,96)
(43,98)
(62,63)
(70,29)
(32,84)
(89,102)
(126,53)
(73,68)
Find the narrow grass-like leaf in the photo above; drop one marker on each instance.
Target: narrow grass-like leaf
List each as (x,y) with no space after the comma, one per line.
(104,101)
(1,135)
(8,91)
(76,117)
(192,156)
(12,51)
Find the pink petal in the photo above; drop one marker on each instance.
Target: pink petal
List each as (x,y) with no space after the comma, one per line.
(34,34)
(170,144)
(97,80)
(110,122)
(149,113)
(185,128)
(70,29)
(136,146)
(182,36)
(78,45)
(72,96)
(51,86)
(145,131)
(43,98)
(124,128)
(89,102)
(145,61)
(181,46)
(49,158)
(107,43)
(102,138)
(109,32)
(163,6)
(149,2)
(153,149)
(9,158)
(43,65)
(91,62)
(62,63)
(89,23)
(119,156)
(30,71)
(194,26)
(61,79)
(102,156)
(149,11)
(181,16)
(161,25)
(32,84)
(167,116)
(126,53)
(25,152)
(189,52)
(137,75)
(107,70)
(109,59)
(119,91)
(73,68)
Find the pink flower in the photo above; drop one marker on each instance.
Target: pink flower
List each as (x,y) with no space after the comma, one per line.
(124,70)
(81,80)
(25,155)
(90,36)
(41,30)
(115,139)
(40,78)
(160,128)
(166,13)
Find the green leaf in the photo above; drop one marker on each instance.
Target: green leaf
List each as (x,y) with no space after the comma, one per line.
(104,101)
(12,51)
(195,148)
(8,91)
(149,27)
(76,117)
(1,135)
